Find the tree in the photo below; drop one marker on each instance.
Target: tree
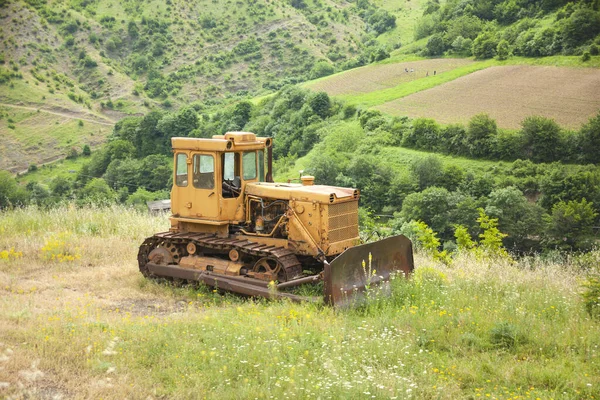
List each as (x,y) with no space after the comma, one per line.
(571,222)
(320,104)
(589,141)
(155,172)
(96,191)
(123,174)
(86,151)
(427,171)
(484,45)
(481,135)
(320,69)
(424,134)
(242,113)
(60,187)
(11,194)
(517,217)
(435,45)
(582,24)
(503,50)
(381,21)
(431,206)
(325,169)
(542,139)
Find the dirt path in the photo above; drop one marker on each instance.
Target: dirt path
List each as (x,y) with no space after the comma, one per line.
(62,113)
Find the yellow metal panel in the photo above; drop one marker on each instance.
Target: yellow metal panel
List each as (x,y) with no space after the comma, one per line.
(296,191)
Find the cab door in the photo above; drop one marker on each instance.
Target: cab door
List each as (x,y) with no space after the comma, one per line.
(202,193)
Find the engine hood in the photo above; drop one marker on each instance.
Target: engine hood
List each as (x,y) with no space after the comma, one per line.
(296,191)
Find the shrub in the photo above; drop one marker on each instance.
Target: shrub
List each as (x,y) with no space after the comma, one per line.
(32,168)
(482,134)
(586,56)
(504,335)
(86,150)
(435,45)
(542,139)
(484,45)
(320,69)
(591,295)
(503,50)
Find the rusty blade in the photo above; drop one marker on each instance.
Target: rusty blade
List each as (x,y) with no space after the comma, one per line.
(346,279)
(236,284)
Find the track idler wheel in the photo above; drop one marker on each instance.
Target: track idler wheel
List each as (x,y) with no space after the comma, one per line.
(269,269)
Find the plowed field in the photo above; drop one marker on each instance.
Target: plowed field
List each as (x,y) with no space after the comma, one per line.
(508,94)
(376,77)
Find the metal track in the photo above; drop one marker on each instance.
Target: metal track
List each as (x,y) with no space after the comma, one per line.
(288,260)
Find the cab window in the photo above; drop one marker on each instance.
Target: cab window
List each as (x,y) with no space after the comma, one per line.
(249,165)
(181,172)
(261,166)
(204,171)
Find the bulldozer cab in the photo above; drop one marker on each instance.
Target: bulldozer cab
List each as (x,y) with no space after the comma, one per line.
(211,174)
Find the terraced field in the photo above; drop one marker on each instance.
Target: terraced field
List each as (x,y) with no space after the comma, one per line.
(508,94)
(384,76)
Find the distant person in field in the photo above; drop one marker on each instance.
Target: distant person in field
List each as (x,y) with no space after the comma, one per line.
(434,72)
(412,70)
(405,69)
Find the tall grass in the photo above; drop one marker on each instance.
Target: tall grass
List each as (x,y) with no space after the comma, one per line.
(469,330)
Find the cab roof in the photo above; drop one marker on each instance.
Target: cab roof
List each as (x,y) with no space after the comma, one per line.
(231,141)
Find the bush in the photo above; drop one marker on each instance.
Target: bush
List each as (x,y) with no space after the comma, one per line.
(482,135)
(571,224)
(484,45)
(542,139)
(321,69)
(32,168)
(586,56)
(86,150)
(591,295)
(381,21)
(504,335)
(435,45)
(503,50)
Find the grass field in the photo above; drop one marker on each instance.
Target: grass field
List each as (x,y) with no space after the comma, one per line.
(94,328)
(508,94)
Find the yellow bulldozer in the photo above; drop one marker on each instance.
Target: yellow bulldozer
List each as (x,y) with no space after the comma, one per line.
(235,229)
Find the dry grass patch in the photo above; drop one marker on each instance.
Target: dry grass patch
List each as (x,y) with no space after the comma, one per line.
(508,94)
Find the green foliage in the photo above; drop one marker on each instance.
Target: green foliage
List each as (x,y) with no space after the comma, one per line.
(491,238)
(481,135)
(435,45)
(586,56)
(589,141)
(96,191)
(571,222)
(542,139)
(591,295)
(485,45)
(505,335)
(321,69)
(503,50)
(247,47)
(11,194)
(381,21)
(425,239)
(86,150)
(517,217)
(463,239)
(320,104)
(428,172)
